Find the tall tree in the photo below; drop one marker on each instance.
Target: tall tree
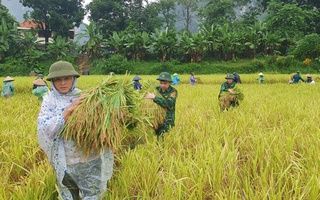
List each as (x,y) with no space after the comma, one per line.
(143,17)
(308,3)
(57,15)
(110,14)
(290,18)
(189,7)
(217,12)
(167,13)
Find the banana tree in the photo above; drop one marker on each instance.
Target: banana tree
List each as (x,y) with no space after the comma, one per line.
(254,36)
(210,35)
(137,44)
(60,48)
(227,42)
(117,42)
(270,42)
(193,46)
(94,38)
(186,46)
(7,33)
(200,46)
(164,43)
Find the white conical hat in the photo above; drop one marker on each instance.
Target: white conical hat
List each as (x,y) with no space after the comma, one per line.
(39,81)
(8,78)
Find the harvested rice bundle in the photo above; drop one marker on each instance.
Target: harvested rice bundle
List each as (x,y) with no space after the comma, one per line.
(151,113)
(237,96)
(226,99)
(105,113)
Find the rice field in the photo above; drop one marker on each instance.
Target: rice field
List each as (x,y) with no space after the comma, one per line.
(267,148)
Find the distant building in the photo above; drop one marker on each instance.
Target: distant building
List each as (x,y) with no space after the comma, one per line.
(30,25)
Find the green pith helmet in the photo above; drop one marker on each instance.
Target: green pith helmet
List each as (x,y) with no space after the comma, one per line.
(230,76)
(164,76)
(60,69)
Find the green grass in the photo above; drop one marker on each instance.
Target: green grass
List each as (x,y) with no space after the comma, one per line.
(267,148)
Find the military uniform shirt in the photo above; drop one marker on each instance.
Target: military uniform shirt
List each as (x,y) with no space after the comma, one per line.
(169,102)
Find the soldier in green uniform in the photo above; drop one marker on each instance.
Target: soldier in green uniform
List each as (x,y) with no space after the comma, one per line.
(227,100)
(168,100)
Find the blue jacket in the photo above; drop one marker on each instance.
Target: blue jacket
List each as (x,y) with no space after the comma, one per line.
(175,80)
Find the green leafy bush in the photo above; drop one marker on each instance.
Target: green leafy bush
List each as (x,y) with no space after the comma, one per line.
(308,47)
(116,63)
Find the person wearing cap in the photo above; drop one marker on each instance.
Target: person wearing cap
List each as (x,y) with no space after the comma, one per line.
(192,79)
(261,78)
(167,100)
(237,78)
(41,89)
(227,100)
(136,84)
(309,79)
(76,174)
(175,79)
(8,87)
(297,78)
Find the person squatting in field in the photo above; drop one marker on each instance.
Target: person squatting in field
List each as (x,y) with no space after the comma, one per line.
(77,175)
(227,100)
(8,87)
(309,79)
(168,101)
(40,88)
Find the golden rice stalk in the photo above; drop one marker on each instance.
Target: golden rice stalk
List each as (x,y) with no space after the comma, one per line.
(105,113)
(226,98)
(238,94)
(108,114)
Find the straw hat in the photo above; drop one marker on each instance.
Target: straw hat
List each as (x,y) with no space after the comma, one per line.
(175,74)
(260,74)
(8,78)
(136,78)
(39,81)
(308,75)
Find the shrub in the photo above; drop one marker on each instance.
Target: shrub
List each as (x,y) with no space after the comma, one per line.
(116,63)
(308,47)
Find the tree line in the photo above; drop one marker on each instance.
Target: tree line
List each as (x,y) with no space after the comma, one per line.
(146,31)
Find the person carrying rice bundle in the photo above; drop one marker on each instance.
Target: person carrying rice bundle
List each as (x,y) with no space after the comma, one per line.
(168,101)
(77,174)
(229,94)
